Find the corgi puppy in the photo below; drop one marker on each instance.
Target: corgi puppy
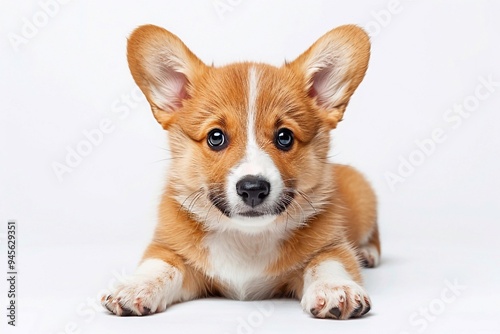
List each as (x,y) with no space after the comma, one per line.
(252,208)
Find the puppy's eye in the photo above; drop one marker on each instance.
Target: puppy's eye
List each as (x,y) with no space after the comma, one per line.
(284,139)
(216,139)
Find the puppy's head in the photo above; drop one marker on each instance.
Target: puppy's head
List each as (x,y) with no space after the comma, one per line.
(249,142)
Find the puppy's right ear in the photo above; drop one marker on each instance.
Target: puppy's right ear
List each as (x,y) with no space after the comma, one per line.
(163,68)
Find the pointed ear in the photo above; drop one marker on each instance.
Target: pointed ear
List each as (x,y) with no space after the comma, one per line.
(333,67)
(163,68)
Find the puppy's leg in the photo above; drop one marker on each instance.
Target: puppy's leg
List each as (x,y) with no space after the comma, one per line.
(158,281)
(360,203)
(369,252)
(332,286)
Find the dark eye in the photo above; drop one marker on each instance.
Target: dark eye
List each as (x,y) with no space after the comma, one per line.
(284,139)
(217,140)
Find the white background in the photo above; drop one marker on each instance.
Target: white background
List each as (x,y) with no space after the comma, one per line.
(78,232)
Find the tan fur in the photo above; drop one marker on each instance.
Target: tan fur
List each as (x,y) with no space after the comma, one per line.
(336,208)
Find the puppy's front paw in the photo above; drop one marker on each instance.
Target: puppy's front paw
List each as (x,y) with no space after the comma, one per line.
(141,297)
(369,255)
(342,300)
(150,290)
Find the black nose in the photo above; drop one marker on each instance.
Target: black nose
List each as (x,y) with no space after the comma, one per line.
(253,190)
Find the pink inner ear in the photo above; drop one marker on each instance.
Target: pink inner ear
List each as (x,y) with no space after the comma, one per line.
(183,93)
(326,87)
(170,89)
(319,86)
(312,91)
(179,88)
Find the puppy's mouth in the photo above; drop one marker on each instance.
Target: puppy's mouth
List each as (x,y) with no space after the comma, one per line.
(266,209)
(251,213)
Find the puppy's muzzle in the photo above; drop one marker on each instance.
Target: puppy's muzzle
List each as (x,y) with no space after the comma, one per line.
(253,190)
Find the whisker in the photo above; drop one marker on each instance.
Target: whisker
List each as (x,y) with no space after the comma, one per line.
(221,214)
(297,207)
(194,200)
(307,199)
(166,159)
(208,211)
(181,207)
(286,220)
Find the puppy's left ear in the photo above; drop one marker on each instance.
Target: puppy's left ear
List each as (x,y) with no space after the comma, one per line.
(163,68)
(332,69)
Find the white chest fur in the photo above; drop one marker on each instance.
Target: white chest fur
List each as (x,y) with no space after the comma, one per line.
(239,262)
